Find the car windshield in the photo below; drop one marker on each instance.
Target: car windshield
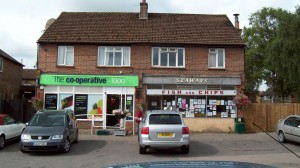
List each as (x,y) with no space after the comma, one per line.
(165,119)
(48,119)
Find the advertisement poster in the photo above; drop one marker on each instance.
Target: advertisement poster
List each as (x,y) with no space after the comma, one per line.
(50,101)
(66,101)
(95,106)
(183,103)
(81,105)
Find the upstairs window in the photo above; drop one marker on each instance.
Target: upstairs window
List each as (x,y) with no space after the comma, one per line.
(1,64)
(168,57)
(65,55)
(113,56)
(216,58)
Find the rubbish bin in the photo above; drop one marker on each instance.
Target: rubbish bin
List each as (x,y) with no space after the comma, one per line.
(239,127)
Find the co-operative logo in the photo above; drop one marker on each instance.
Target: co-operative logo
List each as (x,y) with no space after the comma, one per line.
(118,81)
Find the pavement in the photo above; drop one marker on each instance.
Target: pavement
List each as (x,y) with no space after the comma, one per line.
(97,151)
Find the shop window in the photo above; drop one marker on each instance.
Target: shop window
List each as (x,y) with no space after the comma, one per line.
(113,56)
(223,107)
(65,55)
(154,103)
(168,57)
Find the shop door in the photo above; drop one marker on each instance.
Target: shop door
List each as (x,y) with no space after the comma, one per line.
(113,103)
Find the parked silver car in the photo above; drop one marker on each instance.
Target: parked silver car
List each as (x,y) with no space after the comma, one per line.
(163,129)
(49,131)
(288,129)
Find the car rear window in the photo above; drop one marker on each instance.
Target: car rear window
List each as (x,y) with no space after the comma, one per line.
(165,119)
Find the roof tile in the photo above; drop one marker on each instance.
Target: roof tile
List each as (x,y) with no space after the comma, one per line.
(96,27)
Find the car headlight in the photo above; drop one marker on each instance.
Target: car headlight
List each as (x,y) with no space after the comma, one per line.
(57,137)
(25,137)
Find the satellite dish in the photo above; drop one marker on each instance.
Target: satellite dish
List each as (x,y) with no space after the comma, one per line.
(49,23)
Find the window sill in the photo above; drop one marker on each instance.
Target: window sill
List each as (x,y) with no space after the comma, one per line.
(65,66)
(154,67)
(224,69)
(114,66)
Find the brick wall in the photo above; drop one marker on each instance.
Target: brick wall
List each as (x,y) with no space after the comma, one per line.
(85,60)
(10,79)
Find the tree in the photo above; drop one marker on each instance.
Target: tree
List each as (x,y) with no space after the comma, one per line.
(272,52)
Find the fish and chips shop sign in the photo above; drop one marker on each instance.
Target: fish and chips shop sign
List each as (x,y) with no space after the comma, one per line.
(191,92)
(88,80)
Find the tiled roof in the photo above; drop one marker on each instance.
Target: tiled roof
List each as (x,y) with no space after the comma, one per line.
(3,54)
(161,28)
(29,74)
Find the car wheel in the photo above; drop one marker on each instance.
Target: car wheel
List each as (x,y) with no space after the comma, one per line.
(142,150)
(67,146)
(2,142)
(185,149)
(281,137)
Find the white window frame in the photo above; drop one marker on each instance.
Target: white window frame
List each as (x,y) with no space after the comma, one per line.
(65,50)
(1,64)
(103,55)
(168,50)
(216,52)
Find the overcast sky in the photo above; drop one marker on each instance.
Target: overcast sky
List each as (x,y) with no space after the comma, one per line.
(23,21)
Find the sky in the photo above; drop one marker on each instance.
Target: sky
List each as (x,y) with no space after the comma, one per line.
(23,21)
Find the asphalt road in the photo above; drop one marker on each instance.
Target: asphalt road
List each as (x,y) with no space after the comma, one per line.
(96,151)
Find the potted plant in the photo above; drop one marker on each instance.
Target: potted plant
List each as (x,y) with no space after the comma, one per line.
(241,102)
(37,103)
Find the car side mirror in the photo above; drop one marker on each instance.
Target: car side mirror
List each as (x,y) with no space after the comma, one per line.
(27,124)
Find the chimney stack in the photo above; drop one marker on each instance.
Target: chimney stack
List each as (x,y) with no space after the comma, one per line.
(237,23)
(144,10)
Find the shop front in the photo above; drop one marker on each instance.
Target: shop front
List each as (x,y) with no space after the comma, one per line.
(205,103)
(91,96)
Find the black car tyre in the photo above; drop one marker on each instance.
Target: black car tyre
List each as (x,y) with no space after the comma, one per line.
(142,150)
(281,137)
(67,146)
(185,149)
(2,142)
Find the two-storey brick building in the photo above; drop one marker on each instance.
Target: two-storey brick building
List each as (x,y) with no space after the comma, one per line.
(10,76)
(96,62)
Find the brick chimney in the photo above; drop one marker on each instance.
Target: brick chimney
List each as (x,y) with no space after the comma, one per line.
(237,23)
(144,10)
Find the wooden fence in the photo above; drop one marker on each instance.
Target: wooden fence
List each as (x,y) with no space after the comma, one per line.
(19,109)
(264,117)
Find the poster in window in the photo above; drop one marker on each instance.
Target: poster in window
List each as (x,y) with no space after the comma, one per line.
(183,103)
(80,108)
(66,101)
(50,101)
(224,114)
(95,106)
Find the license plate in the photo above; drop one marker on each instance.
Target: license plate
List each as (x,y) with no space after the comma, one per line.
(165,134)
(39,143)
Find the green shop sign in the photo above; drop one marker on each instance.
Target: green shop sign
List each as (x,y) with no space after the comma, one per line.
(88,80)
